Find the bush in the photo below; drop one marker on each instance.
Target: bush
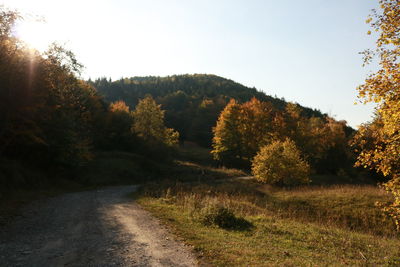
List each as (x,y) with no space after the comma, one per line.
(280,163)
(224,218)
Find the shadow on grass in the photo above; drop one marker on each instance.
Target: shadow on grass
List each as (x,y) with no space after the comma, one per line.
(226,219)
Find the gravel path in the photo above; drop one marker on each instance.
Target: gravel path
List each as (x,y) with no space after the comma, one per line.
(94,228)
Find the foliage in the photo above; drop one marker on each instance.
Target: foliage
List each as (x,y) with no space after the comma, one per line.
(243,128)
(119,107)
(46,112)
(280,163)
(115,129)
(320,139)
(149,123)
(227,144)
(192,103)
(379,141)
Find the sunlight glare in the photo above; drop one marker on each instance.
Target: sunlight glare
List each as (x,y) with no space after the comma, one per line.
(35,34)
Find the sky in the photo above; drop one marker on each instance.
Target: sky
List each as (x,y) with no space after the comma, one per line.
(303,51)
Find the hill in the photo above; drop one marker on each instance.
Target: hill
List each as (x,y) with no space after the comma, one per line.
(192,102)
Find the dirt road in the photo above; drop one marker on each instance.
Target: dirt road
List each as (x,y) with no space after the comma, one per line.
(94,228)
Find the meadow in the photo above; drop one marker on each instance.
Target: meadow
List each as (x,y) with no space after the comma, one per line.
(240,222)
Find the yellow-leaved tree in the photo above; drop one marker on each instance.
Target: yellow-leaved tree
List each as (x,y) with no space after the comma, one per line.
(379,141)
(149,123)
(227,135)
(281,163)
(241,129)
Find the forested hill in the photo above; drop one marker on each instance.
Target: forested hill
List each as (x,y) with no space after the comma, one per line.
(192,102)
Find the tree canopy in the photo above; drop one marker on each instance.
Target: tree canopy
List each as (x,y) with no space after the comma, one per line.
(149,123)
(242,129)
(45,110)
(281,163)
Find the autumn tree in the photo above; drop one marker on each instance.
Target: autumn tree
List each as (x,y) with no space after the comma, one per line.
(257,125)
(116,130)
(383,88)
(280,163)
(46,111)
(227,145)
(149,123)
(315,136)
(243,128)
(67,117)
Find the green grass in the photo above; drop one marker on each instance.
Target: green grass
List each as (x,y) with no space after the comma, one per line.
(305,226)
(279,242)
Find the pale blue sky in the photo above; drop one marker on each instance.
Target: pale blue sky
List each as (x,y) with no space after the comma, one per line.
(305,51)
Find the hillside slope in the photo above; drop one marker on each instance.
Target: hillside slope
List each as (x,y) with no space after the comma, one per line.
(192,102)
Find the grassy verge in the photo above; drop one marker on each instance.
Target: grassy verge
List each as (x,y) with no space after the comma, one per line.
(336,225)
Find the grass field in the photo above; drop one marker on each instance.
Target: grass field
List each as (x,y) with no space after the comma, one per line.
(233,222)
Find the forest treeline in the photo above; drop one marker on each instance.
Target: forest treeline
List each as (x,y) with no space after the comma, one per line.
(192,102)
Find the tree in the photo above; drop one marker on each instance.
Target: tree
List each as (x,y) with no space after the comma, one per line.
(46,112)
(383,88)
(241,130)
(149,123)
(227,145)
(317,137)
(280,163)
(67,115)
(257,125)
(119,107)
(116,128)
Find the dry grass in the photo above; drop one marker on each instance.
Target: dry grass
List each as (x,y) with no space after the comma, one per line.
(331,225)
(277,237)
(346,206)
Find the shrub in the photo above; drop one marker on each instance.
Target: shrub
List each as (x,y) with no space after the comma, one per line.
(224,218)
(280,163)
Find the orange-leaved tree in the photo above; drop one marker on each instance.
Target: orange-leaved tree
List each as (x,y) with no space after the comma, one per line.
(241,129)
(227,135)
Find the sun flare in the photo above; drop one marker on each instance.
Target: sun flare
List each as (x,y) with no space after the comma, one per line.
(35,34)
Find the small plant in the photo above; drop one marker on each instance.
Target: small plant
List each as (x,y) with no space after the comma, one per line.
(280,163)
(224,218)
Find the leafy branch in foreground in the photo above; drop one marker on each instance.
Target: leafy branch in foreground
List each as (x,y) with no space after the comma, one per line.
(379,141)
